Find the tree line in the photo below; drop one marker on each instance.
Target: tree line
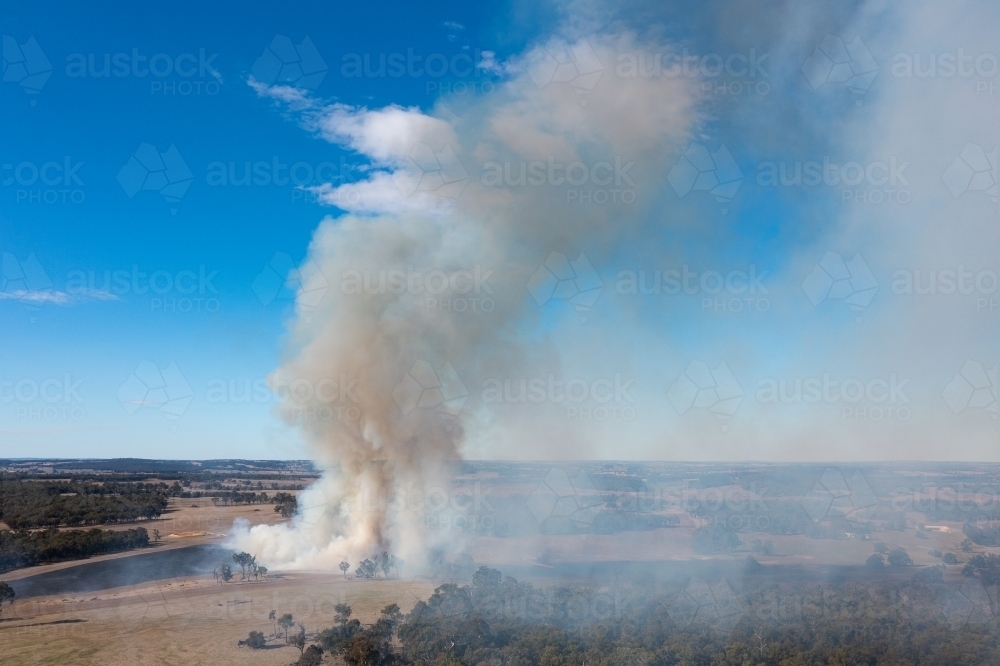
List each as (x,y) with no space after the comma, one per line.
(25,548)
(755,621)
(26,505)
(34,504)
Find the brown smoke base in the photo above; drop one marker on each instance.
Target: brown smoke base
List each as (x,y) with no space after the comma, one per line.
(392,441)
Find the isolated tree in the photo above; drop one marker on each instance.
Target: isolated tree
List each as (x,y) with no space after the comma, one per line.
(299,639)
(273,616)
(366,569)
(286,622)
(875,561)
(262,570)
(344,566)
(6,594)
(255,640)
(156,536)
(898,557)
(343,612)
(226,573)
(385,563)
(238,559)
(285,504)
(244,560)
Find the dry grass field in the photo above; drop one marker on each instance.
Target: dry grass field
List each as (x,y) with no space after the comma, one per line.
(192,621)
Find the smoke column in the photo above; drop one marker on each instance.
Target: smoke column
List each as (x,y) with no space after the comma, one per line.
(380,376)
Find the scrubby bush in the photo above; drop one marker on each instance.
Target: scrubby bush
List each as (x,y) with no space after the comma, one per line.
(255,640)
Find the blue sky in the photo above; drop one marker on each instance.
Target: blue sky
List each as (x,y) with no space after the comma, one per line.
(215,316)
(227,233)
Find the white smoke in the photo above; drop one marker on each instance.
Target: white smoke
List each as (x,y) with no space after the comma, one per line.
(426,206)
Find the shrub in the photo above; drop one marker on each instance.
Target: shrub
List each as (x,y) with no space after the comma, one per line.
(255,640)
(313,656)
(899,558)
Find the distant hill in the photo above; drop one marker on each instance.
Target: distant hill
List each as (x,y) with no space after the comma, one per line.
(150,466)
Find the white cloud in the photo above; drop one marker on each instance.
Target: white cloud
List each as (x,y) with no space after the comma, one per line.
(36,296)
(387,135)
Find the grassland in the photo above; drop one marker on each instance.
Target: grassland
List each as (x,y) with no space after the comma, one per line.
(187,621)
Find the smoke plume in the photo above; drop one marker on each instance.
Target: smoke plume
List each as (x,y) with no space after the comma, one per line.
(383,356)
